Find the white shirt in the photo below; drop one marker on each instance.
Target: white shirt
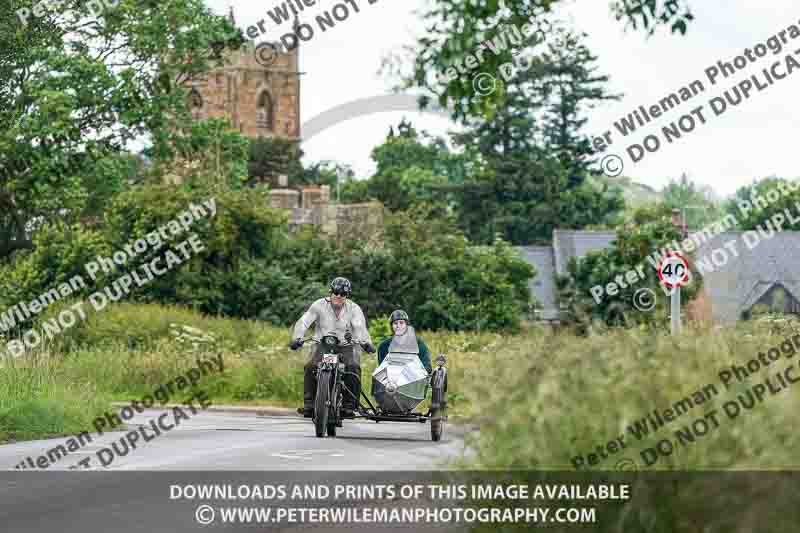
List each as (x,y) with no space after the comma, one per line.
(321,313)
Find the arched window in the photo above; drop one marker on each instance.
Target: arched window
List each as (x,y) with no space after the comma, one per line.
(265,112)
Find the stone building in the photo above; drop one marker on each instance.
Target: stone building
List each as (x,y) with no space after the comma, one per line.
(261,96)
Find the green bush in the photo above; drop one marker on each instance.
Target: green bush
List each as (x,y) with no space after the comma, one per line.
(240,243)
(252,268)
(379,329)
(61,253)
(427,267)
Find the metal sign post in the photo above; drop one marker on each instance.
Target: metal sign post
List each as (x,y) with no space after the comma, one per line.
(673,271)
(675,311)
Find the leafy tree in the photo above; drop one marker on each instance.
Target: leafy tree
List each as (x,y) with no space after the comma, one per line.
(428,267)
(455,28)
(60,253)
(535,156)
(241,242)
(410,148)
(326,173)
(523,201)
(543,108)
(696,204)
(211,154)
(650,231)
(412,167)
(752,215)
(275,156)
(75,90)
(566,85)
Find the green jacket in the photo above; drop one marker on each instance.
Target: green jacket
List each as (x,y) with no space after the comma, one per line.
(424,354)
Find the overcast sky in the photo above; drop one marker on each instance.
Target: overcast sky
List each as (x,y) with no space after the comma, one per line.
(752,140)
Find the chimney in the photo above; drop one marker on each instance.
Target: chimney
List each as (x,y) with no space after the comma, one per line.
(677,221)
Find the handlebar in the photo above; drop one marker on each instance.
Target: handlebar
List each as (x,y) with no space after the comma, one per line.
(345,344)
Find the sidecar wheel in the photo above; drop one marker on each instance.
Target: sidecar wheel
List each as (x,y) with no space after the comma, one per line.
(438,398)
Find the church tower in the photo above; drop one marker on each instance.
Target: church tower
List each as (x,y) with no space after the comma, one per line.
(258,89)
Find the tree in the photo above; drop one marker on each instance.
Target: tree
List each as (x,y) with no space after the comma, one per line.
(754,215)
(211,154)
(455,29)
(543,108)
(326,172)
(412,167)
(569,85)
(649,232)
(275,156)
(523,201)
(696,204)
(534,153)
(75,90)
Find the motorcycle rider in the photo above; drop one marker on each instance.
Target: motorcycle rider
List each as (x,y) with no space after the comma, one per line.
(401,325)
(338,315)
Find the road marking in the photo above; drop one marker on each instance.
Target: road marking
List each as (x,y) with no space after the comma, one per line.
(306,454)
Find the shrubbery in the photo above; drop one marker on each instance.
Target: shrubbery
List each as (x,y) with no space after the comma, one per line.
(426,266)
(252,268)
(650,232)
(60,253)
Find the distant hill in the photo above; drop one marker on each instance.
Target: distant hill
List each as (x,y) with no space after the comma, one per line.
(636,194)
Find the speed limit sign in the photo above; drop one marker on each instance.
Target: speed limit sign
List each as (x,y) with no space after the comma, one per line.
(673,270)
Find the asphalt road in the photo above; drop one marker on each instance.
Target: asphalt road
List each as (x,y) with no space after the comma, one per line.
(133,492)
(220,441)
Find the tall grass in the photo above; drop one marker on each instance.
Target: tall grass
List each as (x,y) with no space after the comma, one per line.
(552,397)
(541,398)
(128,350)
(37,402)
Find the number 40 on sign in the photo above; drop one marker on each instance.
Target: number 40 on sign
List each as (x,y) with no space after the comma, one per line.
(673,271)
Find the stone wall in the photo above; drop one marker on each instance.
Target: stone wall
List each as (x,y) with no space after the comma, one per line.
(359,219)
(336,220)
(284,199)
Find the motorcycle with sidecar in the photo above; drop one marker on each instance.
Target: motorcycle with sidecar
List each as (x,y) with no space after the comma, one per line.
(400,384)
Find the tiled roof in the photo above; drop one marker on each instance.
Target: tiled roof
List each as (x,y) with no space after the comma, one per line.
(569,244)
(543,286)
(733,287)
(738,284)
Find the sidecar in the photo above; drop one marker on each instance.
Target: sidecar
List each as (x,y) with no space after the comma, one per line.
(400,384)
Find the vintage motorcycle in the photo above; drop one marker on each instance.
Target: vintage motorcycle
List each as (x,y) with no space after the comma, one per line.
(400,384)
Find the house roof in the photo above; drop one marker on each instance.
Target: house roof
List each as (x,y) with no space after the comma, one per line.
(543,286)
(568,244)
(737,285)
(552,260)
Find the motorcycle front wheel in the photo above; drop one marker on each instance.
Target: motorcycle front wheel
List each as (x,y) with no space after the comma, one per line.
(334,415)
(321,403)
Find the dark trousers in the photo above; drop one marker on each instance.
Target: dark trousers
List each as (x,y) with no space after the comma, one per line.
(352,377)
